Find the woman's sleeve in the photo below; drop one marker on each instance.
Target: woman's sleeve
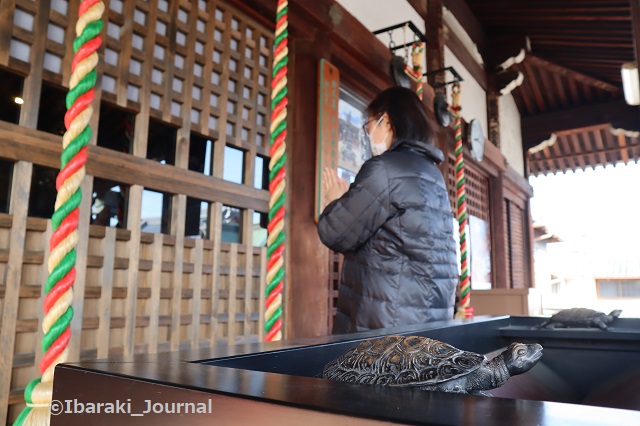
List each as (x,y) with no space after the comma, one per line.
(348,222)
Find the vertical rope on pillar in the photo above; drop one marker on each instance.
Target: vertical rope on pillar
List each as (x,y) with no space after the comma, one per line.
(416,57)
(61,263)
(277,183)
(464,290)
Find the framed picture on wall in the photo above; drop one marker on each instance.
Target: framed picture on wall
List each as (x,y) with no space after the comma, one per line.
(353,150)
(341,145)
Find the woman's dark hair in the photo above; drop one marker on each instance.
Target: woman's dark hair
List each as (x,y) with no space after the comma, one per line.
(407,115)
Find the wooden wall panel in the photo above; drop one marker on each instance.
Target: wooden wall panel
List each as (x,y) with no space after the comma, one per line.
(200,67)
(105,296)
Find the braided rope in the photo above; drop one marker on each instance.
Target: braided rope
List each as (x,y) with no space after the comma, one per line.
(464,308)
(416,54)
(277,184)
(61,264)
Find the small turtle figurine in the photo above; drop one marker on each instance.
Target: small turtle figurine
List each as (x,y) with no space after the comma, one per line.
(429,364)
(580,318)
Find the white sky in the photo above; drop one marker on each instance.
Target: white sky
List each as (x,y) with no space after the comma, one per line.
(596,210)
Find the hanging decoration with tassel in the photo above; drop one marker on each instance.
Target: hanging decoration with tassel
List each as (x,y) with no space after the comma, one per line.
(464,290)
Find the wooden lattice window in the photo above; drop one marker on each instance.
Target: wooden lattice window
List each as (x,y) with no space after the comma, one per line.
(516,226)
(477,188)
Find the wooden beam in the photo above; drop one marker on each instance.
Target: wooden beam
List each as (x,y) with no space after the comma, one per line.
(505,49)
(532,78)
(6,26)
(436,36)
(622,141)
(18,143)
(571,74)
(463,13)
(622,150)
(635,18)
(582,116)
(420,6)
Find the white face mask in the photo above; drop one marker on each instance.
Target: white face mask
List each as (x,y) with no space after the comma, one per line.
(378,148)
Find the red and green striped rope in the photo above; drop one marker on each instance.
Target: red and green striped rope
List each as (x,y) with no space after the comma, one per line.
(64,221)
(416,53)
(464,308)
(277,184)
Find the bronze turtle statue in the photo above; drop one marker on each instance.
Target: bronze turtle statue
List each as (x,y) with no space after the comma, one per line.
(428,364)
(580,318)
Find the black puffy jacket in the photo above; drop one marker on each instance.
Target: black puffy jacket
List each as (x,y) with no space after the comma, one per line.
(395,228)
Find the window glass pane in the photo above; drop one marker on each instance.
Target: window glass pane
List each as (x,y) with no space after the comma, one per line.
(161,146)
(608,290)
(233,170)
(231,224)
(108,207)
(115,129)
(260,229)
(479,247)
(42,197)
(10,96)
(630,289)
(200,154)
(52,109)
(261,173)
(197,218)
(6,173)
(156,212)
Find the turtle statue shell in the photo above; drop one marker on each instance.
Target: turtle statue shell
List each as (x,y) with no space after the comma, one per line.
(429,364)
(580,317)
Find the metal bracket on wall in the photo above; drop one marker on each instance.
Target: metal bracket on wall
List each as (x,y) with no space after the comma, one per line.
(408,24)
(456,76)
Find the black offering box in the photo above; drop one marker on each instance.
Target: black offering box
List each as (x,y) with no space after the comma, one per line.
(585,377)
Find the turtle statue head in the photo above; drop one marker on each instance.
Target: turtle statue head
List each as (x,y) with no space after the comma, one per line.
(520,358)
(615,313)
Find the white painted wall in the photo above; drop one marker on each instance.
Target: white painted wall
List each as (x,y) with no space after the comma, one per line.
(472,97)
(377,14)
(511,133)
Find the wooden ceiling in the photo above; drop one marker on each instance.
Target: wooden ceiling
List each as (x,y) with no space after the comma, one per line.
(590,36)
(572,83)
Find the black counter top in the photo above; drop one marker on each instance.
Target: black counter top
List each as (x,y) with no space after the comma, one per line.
(242,394)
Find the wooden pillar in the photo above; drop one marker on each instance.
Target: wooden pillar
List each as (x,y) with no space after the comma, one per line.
(20,186)
(493,117)
(635,17)
(436,36)
(6,23)
(306,286)
(435,29)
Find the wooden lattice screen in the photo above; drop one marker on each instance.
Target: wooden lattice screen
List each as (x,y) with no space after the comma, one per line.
(335,271)
(222,306)
(516,243)
(199,67)
(477,187)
